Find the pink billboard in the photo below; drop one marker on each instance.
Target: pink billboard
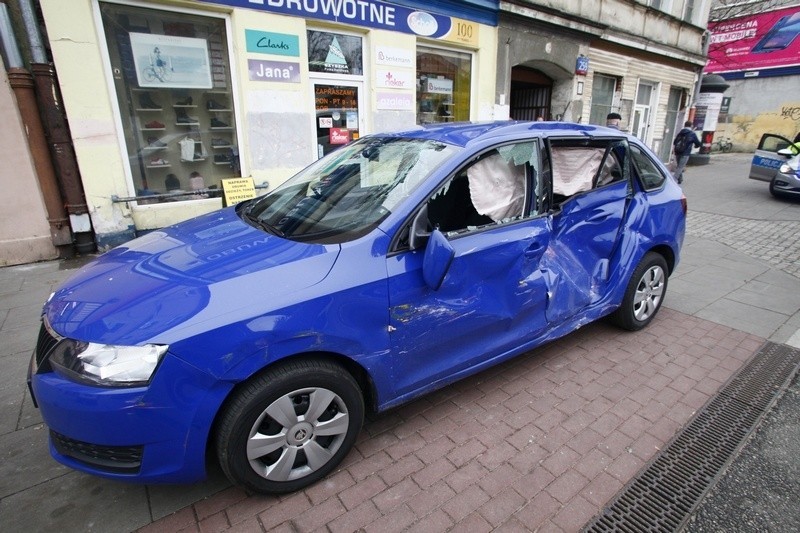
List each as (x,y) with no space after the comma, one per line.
(755,42)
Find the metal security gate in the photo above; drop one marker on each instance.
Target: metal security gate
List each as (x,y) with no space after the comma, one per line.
(530,94)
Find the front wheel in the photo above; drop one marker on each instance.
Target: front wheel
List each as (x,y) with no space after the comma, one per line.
(644,294)
(772,190)
(289,427)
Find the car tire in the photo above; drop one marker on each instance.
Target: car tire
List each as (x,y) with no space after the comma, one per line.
(289,427)
(644,294)
(772,190)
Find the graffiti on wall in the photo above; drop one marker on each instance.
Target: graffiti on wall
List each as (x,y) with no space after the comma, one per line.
(791,112)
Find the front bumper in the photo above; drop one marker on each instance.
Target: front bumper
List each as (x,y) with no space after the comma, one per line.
(153,434)
(787,184)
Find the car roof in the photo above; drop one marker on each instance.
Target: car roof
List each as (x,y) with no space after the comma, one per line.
(464,133)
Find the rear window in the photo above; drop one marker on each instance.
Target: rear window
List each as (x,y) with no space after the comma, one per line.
(649,174)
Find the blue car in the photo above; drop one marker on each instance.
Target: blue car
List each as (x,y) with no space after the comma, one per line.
(261,334)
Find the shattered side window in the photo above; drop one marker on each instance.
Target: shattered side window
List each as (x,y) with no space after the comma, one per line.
(581,165)
(574,168)
(502,186)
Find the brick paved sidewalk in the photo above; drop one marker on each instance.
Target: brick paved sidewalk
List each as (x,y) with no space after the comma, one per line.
(539,443)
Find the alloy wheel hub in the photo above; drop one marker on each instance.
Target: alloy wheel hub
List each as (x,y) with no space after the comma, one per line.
(300,434)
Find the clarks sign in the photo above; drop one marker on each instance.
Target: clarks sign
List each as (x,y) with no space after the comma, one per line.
(264,42)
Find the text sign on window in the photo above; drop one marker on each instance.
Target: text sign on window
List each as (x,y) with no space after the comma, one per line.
(238,190)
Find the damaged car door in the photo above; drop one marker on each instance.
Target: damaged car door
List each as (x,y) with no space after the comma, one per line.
(591,189)
(491,213)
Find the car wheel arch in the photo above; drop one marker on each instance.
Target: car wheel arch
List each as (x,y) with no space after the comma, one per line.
(355,369)
(667,253)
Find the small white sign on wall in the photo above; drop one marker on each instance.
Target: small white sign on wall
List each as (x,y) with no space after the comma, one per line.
(394,57)
(325,122)
(395,101)
(394,78)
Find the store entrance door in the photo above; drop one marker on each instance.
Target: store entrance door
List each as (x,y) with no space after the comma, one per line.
(338,116)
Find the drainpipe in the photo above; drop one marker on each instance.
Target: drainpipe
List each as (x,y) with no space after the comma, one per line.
(57,130)
(21,83)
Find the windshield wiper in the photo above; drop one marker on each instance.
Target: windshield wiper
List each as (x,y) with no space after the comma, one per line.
(266,226)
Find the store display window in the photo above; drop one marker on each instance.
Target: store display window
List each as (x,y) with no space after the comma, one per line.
(335,53)
(172,78)
(443,85)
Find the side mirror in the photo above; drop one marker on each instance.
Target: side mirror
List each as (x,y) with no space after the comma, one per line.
(786,152)
(438,257)
(420,229)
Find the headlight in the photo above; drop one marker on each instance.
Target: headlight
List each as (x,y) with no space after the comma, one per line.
(104,364)
(791,166)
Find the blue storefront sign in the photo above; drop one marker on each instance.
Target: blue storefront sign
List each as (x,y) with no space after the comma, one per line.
(367,13)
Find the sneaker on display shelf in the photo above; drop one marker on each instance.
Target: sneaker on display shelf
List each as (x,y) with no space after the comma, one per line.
(155,142)
(182,118)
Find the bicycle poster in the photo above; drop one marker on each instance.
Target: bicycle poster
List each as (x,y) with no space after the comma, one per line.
(166,61)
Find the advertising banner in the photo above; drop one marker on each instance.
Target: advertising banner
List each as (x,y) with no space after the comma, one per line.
(165,61)
(755,42)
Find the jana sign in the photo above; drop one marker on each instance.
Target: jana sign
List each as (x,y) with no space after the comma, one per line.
(277,71)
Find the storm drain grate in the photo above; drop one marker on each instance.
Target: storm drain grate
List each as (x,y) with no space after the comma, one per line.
(664,494)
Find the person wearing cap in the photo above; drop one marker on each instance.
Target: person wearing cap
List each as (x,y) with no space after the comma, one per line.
(612,120)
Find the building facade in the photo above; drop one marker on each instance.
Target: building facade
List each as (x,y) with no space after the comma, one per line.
(581,60)
(755,47)
(167,98)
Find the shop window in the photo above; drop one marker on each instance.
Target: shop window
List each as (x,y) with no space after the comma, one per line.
(335,53)
(443,85)
(173,85)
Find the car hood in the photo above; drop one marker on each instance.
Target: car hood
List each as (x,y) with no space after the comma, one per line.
(177,277)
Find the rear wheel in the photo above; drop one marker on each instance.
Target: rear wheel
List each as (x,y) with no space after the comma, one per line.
(289,427)
(644,294)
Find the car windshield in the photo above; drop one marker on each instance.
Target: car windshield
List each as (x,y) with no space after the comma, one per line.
(347,193)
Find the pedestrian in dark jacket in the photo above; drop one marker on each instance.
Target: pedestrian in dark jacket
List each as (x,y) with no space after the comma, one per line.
(682,148)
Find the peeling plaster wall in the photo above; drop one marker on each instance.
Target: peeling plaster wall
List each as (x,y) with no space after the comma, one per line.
(759,106)
(24,230)
(81,75)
